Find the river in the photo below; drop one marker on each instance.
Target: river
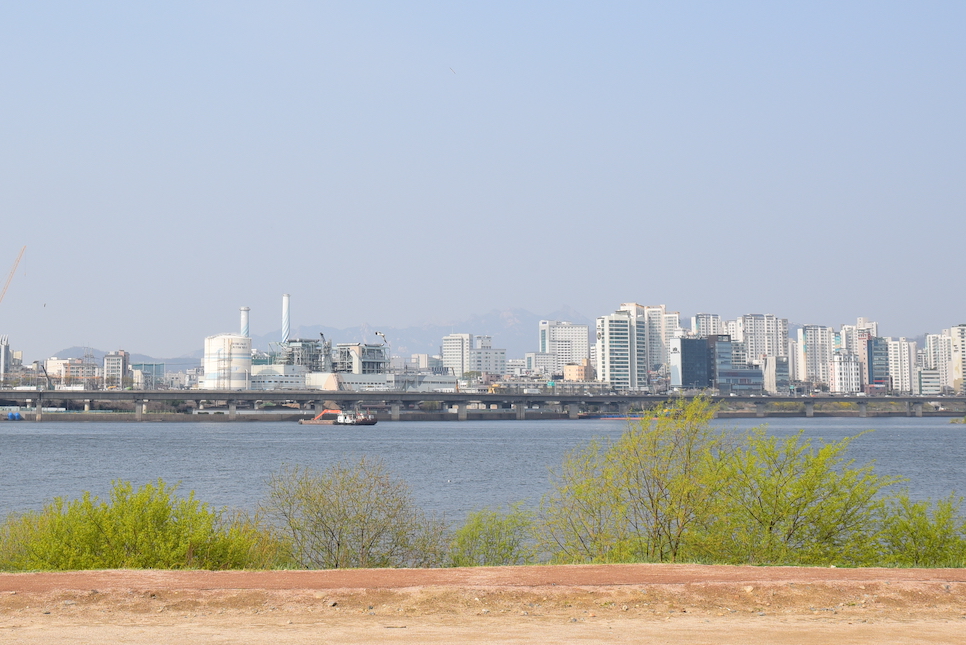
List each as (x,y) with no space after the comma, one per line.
(452,467)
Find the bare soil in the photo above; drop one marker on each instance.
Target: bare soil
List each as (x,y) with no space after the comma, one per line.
(585,604)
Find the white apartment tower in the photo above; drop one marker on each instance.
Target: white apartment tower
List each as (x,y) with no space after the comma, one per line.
(845,373)
(763,335)
(937,355)
(704,325)
(902,366)
(566,340)
(815,347)
(957,361)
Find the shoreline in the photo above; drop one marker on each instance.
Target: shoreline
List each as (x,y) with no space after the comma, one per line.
(385,417)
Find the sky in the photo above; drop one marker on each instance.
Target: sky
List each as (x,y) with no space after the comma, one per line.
(400,163)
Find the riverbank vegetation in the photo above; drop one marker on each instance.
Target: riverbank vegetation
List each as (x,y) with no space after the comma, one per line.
(671,489)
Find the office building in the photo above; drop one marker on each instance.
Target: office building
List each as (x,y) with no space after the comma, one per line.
(566,340)
(116,368)
(456,353)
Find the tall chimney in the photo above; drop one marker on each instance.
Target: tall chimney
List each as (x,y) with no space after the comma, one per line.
(244,321)
(286,319)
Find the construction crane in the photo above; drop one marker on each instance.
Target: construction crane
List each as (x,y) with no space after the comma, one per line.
(12,272)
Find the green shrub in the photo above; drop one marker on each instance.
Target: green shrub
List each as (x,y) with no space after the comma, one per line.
(351,515)
(491,538)
(147,528)
(921,534)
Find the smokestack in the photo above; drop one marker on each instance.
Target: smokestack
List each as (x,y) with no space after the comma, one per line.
(286,319)
(244,321)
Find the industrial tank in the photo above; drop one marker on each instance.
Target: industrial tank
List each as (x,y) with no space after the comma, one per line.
(228,362)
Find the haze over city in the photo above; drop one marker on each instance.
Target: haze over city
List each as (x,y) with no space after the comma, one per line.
(401,164)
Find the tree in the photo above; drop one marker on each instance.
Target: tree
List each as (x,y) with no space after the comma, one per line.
(146,528)
(491,538)
(675,488)
(636,499)
(921,534)
(580,516)
(785,501)
(351,515)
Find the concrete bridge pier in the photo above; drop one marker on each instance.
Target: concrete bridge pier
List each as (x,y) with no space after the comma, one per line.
(521,409)
(760,408)
(139,410)
(863,409)
(624,409)
(317,407)
(87,405)
(573,410)
(232,409)
(809,409)
(914,408)
(394,410)
(461,411)
(39,407)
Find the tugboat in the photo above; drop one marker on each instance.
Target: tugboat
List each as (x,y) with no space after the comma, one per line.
(341,418)
(355,419)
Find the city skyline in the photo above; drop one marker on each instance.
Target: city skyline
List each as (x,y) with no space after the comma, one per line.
(358,333)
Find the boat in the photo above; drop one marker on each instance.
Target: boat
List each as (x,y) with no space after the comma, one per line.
(355,419)
(340,418)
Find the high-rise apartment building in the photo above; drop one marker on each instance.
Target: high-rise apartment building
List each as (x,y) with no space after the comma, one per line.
(704,325)
(763,335)
(855,339)
(815,346)
(632,345)
(616,350)
(845,373)
(957,360)
(937,355)
(902,366)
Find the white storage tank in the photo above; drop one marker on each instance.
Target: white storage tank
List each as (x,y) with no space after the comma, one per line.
(228,362)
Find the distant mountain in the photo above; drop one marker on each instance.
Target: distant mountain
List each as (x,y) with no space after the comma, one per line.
(178,364)
(512,329)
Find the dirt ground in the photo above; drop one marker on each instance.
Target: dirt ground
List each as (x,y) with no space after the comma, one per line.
(681,604)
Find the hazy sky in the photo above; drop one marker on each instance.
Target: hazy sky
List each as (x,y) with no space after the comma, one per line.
(402,162)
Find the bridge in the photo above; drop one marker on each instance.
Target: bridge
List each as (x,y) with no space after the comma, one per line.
(398,403)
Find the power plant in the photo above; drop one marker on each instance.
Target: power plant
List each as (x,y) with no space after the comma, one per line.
(230,363)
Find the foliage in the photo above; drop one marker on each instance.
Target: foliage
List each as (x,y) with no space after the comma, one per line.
(351,515)
(492,538)
(636,499)
(786,501)
(579,517)
(674,488)
(146,528)
(920,534)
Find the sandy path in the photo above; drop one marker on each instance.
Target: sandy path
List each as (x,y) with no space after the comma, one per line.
(583,604)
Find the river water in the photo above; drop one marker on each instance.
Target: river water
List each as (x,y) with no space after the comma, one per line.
(452,467)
